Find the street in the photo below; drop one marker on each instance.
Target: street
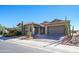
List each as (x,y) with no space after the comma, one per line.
(6,47)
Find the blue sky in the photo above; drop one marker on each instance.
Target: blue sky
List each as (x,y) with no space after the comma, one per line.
(10,15)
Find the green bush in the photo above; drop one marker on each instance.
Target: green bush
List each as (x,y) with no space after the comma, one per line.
(13,33)
(18,33)
(0,32)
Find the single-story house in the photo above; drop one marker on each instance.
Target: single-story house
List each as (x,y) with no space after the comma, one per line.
(56,27)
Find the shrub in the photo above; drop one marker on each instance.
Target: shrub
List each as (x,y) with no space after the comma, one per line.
(18,33)
(13,33)
(0,32)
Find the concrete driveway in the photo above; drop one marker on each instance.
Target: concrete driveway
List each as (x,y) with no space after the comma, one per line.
(6,47)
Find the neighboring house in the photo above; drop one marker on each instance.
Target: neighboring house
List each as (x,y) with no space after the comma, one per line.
(54,28)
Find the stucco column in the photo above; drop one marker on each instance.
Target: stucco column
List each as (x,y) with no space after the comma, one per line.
(28,28)
(33,29)
(39,30)
(29,32)
(46,30)
(46,25)
(42,30)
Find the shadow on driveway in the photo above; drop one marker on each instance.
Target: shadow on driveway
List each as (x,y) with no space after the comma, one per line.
(6,38)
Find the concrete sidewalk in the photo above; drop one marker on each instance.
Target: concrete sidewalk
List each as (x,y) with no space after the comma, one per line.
(40,45)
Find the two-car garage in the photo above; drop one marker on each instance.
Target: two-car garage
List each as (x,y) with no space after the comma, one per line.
(56,30)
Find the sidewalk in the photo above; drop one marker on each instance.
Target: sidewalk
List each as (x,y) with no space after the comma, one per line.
(40,45)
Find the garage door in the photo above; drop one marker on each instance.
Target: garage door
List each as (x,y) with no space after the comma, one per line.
(56,31)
